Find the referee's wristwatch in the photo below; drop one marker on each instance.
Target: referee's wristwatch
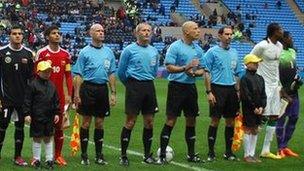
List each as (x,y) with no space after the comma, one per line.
(208,91)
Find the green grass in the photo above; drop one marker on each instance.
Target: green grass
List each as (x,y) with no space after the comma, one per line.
(113,127)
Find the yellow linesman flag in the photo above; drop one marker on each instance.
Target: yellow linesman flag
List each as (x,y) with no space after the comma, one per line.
(238,132)
(75,138)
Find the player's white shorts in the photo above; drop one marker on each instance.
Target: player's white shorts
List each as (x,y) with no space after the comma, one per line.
(273,100)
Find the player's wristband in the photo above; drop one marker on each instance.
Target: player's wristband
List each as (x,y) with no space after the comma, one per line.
(208,91)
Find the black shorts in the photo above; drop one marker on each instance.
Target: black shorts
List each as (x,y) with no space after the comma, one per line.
(140,97)
(41,129)
(6,114)
(182,97)
(227,103)
(94,100)
(250,119)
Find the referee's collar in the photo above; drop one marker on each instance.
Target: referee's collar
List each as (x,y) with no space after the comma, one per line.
(96,47)
(141,45)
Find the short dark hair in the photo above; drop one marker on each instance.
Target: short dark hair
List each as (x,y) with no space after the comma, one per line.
(287,34)
(15,27)
(221,30)
(272,28)
(50,29)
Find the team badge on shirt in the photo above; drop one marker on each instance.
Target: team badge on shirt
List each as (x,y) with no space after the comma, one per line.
(47,55)
(8,53)
(24,60)
(8,59)
(62,63)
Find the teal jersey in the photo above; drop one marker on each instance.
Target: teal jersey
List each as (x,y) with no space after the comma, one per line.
(223,65)
(95,64)
(138,62)
(181,54)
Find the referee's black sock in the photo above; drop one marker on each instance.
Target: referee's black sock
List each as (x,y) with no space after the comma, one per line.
(19,137)
(190,139)
(164,139)
(147,140)
(98,139)
(124,140)
(211,138)
(229,131)
(84,139)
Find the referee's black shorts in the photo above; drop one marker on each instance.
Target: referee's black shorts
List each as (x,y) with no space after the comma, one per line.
(140,97)
(182,97)
(227,103)
(94,100)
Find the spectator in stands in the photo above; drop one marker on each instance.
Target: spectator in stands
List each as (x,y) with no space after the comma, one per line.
(121,13)
(223,19)
(222,89)
(265,5)
(89,103)
(162,9)
(157,30)
(248,33)
(291,82)
(176,3)
(270,50)
(278,4)
(137,75)
(183,64)
(172,8)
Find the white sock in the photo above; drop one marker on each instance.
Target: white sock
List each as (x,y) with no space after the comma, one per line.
(268,138)
(36,147)
(253,140)
(49,151)
(246,141)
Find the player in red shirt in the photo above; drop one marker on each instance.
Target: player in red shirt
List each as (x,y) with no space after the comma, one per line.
(60,60)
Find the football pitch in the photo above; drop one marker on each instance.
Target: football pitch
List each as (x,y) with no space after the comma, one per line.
(113,126)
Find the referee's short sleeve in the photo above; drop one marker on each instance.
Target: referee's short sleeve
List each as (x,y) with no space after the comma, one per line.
(207,61)
(79,65)
(171,55)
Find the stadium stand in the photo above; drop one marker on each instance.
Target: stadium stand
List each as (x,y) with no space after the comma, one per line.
(74,22)
(265,15)
(300,4)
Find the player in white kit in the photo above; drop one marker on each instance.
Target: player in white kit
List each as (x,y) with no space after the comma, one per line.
(269,50)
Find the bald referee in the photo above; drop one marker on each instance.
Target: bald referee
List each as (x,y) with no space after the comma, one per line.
(95,66)
(183,63)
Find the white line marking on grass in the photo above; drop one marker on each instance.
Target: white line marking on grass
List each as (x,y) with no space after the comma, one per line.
(135,153)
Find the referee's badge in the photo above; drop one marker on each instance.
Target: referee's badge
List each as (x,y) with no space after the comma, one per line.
(8,59)
(107,64)
(153,61)
(233,64)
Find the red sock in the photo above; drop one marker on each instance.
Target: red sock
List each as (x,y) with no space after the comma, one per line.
(58,138)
